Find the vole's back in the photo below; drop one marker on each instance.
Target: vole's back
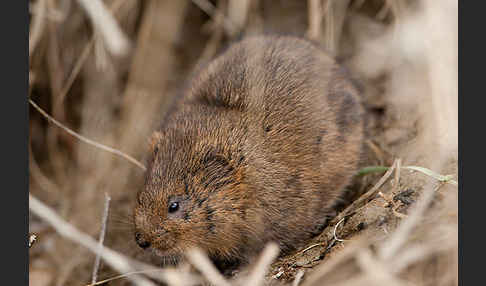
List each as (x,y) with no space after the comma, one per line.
(302,117)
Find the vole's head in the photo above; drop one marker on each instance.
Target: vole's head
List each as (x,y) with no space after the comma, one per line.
(195,193)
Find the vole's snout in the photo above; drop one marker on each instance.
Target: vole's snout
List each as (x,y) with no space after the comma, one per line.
(141,241)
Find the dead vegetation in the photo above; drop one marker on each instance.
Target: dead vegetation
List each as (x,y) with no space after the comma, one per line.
(107,69)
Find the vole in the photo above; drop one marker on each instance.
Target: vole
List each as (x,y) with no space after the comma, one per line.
(258,148)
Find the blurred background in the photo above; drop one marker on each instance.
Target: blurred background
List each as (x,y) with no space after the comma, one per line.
(107,69)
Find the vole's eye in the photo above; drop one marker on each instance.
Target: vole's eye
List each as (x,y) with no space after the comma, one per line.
(173,207)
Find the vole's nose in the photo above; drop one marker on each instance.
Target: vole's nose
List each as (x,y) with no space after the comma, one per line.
(143,243)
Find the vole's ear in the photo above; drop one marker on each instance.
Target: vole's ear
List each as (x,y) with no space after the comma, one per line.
(154,141)
(217,170)
(213,160)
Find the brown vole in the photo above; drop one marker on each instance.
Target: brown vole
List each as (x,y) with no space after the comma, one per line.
(257,149)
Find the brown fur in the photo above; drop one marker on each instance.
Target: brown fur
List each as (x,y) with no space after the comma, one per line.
(258,149)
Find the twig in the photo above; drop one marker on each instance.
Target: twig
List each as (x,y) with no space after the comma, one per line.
(397,167)
(269,254)
(334,232)
(115,40)
(310,247)
(397,175)
(75,72)
(378,152)
(356,205)
(102,237)
(199,260)
(86,140)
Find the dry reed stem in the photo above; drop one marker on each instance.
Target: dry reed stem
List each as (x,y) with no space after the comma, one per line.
(238,13)
(115,260)
(379,154)
(315,15)
(116,42)
(52,14)
(377,271)
(38,24)
(414,254)
(88,141)
(335,14)
(202,263)
(75,72)
(101,60)
(442,74)
(35,171)
(298,278)
(329,26)
(146,98)
(346,255)
(55,70)
(269,254)
(102,237)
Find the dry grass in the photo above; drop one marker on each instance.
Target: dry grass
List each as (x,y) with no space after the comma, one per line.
(107,69)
